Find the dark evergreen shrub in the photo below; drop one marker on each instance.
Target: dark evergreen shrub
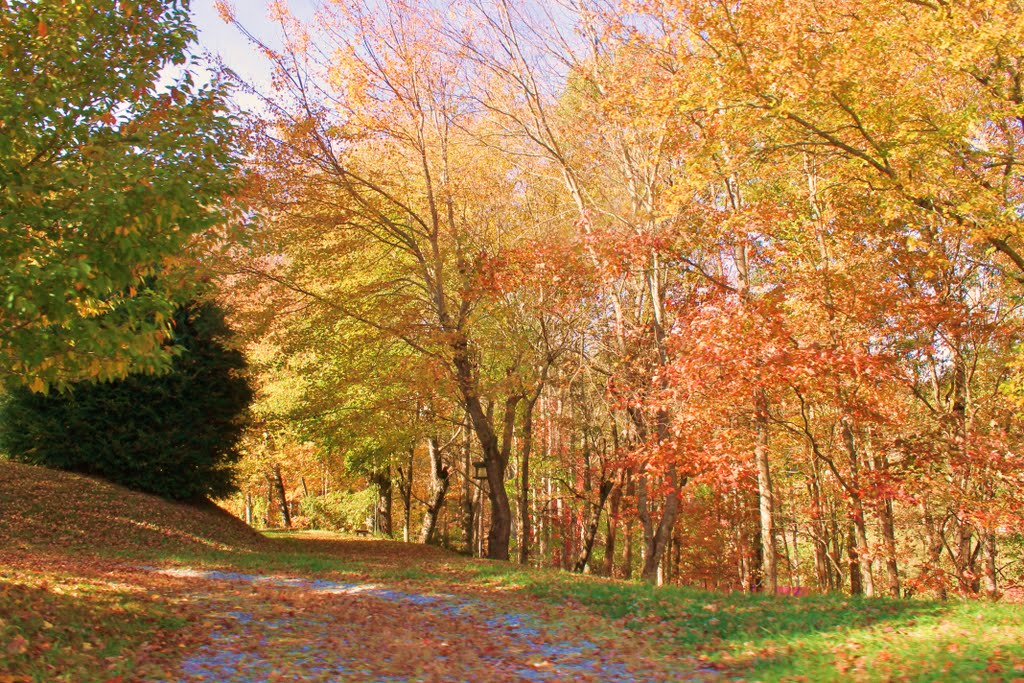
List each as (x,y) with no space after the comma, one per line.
(174,434)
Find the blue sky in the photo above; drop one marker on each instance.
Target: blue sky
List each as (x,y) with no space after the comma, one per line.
(225,41)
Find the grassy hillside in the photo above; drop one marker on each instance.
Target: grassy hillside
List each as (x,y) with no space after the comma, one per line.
(74,604)
(48,509)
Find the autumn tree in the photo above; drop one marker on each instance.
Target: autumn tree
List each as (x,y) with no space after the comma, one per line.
(825,112)
(741,279)
(377,138)
(106,178)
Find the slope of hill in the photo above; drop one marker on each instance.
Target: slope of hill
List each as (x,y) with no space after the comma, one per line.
(49,509)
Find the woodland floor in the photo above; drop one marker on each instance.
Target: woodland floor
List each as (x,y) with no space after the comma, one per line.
(222,624)
(98,584)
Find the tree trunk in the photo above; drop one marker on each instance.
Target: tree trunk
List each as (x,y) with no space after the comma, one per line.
(836,551)
(863,558)
(565,533)
(664,529)
(822,570)
(382,480)
(678,554)
(524,474)
(612,529)
(405,491)
(856,585)
(495,454)
(440,477)
(540,516)
(248,508)
(500,531)
(989,571)
(643,513)
(934,536)
(626,569)
(270,501)
(892,570)
(591,529)
(579,549)
(766,497)
(468,493)
(787,555)
(757,561)
(279,488)
(479,507)
(880,463)
(656,537)
(860,528)
(743,567)
(965,557)
(663,566)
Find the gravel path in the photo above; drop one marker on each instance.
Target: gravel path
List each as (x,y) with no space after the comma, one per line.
(269,628)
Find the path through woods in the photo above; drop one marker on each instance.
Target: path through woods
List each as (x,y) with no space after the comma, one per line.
(265,628)
(323,609)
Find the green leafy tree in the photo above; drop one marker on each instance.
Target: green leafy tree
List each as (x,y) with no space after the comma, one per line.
(173,434)
(105,178)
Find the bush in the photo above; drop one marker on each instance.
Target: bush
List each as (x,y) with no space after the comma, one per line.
(338,510)
(174,435)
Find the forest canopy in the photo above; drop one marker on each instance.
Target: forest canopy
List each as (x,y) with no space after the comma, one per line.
(723,294)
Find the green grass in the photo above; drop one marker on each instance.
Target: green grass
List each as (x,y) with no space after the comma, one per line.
(754,637)
(816,638)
